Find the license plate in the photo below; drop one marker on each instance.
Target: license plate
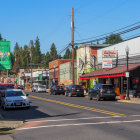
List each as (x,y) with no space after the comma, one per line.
(18,103)
(78,90)
(108,91)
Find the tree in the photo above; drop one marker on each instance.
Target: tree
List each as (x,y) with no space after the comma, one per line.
(67,54)
(37,52)
(1,37)
(48,59)
(53,52)
(113,38)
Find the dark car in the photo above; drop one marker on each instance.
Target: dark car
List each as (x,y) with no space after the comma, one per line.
(20,87)
(102,91)
(57,89)
(77,90)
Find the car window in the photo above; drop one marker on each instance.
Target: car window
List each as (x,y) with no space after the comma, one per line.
(14,93)
(77,86)
(107,87)
(41,86)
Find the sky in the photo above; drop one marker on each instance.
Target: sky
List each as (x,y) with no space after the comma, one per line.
(50,20)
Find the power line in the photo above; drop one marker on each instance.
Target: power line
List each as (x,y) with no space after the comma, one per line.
(105,37)
(111,32)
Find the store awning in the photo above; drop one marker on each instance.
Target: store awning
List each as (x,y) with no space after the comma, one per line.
(110,72)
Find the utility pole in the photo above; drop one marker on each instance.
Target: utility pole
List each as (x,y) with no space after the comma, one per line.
(72,27)
(31,62)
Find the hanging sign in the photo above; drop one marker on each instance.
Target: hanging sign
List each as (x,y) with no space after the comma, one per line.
(109,53)
(107,64)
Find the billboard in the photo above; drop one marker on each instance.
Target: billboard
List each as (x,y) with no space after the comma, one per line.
(5,56)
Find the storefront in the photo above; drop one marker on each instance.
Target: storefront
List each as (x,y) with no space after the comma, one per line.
(117,77)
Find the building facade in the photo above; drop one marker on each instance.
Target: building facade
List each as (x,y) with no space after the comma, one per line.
(87,62)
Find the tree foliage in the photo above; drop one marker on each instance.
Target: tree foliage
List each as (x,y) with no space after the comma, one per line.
(53,52)
(113,38)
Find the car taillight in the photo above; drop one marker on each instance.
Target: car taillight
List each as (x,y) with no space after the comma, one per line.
(101,90)
(73,89)
(63,88)
(55,88)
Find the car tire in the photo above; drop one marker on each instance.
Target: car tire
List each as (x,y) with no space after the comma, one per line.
(89,97)
(98,97)
(70,95)
(66,94)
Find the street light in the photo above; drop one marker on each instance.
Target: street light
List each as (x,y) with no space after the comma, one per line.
(127,73)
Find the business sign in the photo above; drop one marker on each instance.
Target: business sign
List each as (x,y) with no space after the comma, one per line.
(40,77)
(109,53)
(107,64)
(5,57)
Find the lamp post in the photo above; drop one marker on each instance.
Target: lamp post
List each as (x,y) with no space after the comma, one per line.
(127,73)
(54,74)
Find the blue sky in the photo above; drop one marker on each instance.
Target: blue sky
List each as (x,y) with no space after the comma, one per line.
(24,20)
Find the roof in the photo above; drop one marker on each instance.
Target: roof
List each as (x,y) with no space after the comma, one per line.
(110,72)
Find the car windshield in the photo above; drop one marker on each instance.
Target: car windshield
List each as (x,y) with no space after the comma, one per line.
(14,93)
(41,86)
(3,87)
(107,87)
(77,86)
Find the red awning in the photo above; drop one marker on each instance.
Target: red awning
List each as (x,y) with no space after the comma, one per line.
(112,72)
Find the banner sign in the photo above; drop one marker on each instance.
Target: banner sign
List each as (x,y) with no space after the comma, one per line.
(109,53)
(5,57)
(107,64)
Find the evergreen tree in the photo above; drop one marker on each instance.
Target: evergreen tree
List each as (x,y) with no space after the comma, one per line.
(53,52)
(48,59)
(37,52)
(1,37)
(67,54)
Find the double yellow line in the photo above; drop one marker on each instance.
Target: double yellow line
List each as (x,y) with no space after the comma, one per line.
(78,106)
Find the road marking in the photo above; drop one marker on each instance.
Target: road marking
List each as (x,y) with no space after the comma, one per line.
(88,118)
(79,106)
(80,124)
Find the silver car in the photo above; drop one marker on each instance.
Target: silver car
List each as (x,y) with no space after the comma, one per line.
(41,88)
(14,98)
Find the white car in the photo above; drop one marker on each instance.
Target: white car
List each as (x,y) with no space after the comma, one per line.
(41,88)
(14,98)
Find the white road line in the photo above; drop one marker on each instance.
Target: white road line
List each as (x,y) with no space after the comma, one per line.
(80,124)
(88,118)
(135,115)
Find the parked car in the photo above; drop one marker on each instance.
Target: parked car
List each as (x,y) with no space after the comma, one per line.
(40,88)
(20,87)
(4,86)
(34,88)
(14,98)
(102,91)
(57,89)
(77,90)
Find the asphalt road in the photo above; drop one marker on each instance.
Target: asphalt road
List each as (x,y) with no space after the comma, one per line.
(56,117)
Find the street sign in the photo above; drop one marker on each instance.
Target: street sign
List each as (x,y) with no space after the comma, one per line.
(5,57)
(16,78)
(127,74)
(40,77)
(8,78)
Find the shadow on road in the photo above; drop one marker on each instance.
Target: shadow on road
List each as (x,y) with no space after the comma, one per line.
(27,114)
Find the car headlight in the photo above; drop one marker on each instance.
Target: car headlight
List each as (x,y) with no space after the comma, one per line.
(26,99)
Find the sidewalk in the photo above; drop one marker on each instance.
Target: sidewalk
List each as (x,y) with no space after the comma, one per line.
(132,100)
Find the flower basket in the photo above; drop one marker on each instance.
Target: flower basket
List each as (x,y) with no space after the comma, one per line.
(122,97)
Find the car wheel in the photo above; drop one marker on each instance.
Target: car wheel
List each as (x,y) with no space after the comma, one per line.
(70,95)
(90,97)
(98,97)
(66,94)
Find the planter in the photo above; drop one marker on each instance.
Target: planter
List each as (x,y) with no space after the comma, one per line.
(122,97)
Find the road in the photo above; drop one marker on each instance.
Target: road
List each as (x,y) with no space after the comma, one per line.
(56,117)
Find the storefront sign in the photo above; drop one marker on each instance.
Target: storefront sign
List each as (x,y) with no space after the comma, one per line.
(107,64)
(109,53)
